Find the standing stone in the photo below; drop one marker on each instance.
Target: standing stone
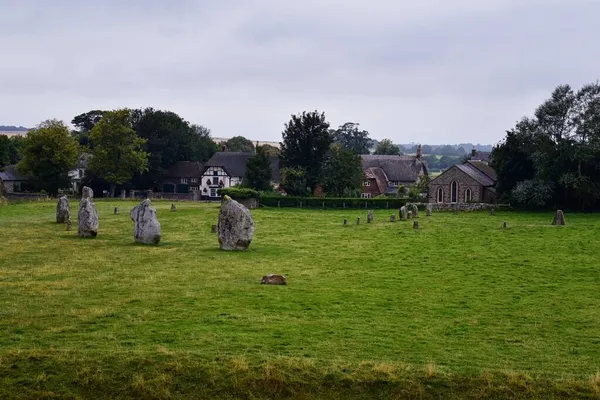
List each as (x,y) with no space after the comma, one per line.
(492,211)
(87,216)
(68,223)
(116,211)
(409,215)
(504,225)
(403,212)
(559,218)
(173,208)
(213,229)
(236,226)
(146,227)
(416,225)
(370,216)
(428,210)
(358,221)
(123,194)
(274,279)
(345,222)
(63,210)
(393,218)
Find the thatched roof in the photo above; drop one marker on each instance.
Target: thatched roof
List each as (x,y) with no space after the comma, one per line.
(234,163)
(404,169)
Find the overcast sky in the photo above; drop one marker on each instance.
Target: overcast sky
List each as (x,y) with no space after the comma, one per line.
(428,71)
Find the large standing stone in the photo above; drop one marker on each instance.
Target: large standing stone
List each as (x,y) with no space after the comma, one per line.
(428,210)
(236,226)
(87,218)
(403,214)
(370,216)
(559,218)
(409,215)
(87,193)
(415,210)
(63,211)
(146,227)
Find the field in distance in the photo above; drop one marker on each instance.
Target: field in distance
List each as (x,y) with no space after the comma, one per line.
(460,308)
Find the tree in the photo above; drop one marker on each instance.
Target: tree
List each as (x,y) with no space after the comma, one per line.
(342,172)
(386,147)
(306,141)
(85,123)
(293,181)
(10,150)
(240,143)
(258,170)
(49,153)
(351,137)
(5,147)
(271,150)
(118,151)
(202,145)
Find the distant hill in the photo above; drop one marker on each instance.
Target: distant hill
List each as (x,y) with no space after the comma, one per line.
(12,128)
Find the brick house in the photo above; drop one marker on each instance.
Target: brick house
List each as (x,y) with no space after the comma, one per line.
(13,181)
(385,174)
(182,177)
(226,169)
(473,181)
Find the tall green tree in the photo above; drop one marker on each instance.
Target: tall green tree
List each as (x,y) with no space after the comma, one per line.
(293,181)
(258,170)
(240,143)
(10,149)
(306,141)
(118,151)
(386,147)
(353,138)
(84,124)
(342,172)
(49,153)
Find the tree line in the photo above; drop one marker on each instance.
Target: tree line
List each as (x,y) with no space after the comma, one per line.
(553,157)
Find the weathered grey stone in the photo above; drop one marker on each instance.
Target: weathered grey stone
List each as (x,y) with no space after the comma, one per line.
(504,225)
(213,229)
(415,210)
(492,211)
(345,222)
(370,216)
(428,210)
(559,218)
(173,208)
(116,211)
(87,218)
(393,218)
(63,210)
(409,215)
(358,221)
(87,193)
(236,226)
(274,279)
(146,227)
(416,225)
(403,214)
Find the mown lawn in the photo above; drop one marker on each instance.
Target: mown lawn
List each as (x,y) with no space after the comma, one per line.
(460,308)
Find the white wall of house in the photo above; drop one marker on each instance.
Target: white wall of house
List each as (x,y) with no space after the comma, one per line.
(211,179)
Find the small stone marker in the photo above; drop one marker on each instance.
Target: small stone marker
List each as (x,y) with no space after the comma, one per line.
(358,221)
(492,211)
(63,210)
(409,215)
(236,226)
(559,218)
(403,212)
(173,208)
(116,210)
(428,210)
(504,225)
(416,225)
(345,222)
(393,218)
(370,216)
(213,229)
(273,279)
(146,227)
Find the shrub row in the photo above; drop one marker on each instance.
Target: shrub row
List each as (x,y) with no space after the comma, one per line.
(329,202)
(239,193)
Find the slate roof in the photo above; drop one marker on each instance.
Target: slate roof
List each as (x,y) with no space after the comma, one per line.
(476,174)
(481,156)
(397,168)
(486,169)
(380,178)
(184,169)
(234,163)
(10,174)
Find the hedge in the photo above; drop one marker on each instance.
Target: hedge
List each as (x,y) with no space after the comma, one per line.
(239,193)
(330,202)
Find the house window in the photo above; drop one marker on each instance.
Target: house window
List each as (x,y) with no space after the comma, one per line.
(468,195)
(213,192)
(365,195)
(194,180)
(393,183)
(215,172)
(440,195)
(184,180)
(453,192)
(215,180)
(367,183)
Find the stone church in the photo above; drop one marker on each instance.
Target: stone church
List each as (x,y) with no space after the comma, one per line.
(471,182)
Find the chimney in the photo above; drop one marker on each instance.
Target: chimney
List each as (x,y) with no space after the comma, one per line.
(473,152)
(419,152)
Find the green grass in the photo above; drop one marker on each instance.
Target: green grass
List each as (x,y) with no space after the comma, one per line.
(458,309)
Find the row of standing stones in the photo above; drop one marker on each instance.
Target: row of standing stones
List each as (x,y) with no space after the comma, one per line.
(235,225)
(411,211)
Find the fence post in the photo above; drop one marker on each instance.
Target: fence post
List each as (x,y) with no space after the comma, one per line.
(300,204)
(387,205)
(344,205)
(277,203)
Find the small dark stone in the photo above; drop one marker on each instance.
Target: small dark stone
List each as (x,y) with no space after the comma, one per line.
(370,216)
(173,208)
(116,210)
(393,218)
(358,221)
(492,211)
(213,229)
(559,218)
(416,225)
(274,279)
(504,225)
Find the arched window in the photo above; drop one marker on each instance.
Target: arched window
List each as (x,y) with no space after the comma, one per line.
(467,195)
(453,192)
(440,195)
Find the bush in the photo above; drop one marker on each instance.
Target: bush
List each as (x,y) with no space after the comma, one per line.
(330,202)
(239,193)
(534,193)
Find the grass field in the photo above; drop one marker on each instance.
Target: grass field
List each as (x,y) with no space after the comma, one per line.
(458,309)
